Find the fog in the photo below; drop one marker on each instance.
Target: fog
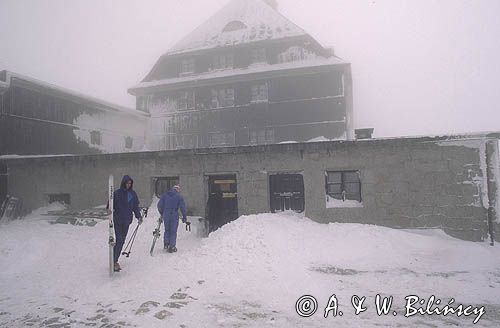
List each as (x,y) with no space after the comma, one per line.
(419,67)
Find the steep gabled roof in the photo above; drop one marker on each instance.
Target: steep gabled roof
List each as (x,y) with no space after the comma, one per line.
(239,22)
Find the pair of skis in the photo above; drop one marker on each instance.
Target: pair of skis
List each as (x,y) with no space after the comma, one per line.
(111,239)
(156,233)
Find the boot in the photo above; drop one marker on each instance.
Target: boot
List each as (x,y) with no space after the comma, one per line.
(172,249)
(117,267)
(166,247)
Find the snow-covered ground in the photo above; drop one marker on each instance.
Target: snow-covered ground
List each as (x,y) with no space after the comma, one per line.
(250,273)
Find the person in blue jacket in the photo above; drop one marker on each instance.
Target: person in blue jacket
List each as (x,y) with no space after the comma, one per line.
(168,206)
(125,204)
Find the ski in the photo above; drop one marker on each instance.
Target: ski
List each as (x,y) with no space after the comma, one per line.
(111,240)
(156,235)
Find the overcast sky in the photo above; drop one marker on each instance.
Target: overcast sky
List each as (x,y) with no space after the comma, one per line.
(419,67)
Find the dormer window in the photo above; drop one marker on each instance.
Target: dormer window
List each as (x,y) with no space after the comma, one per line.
(223,61)
(293,54)
(234,26)
(187,66)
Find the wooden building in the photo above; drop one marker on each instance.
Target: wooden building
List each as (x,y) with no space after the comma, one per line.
(38,118)
(246,76)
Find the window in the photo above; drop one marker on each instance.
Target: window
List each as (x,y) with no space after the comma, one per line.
(343,185)
(60,198)
(129,142)
(164,184)
(234,26)
(222,139)
(293,54)
(222,97)
(95,138)
(260,93)
(259,55)
(261,137)
(223,61)
(186,141)
(143,103)
(185,100)
(187,66)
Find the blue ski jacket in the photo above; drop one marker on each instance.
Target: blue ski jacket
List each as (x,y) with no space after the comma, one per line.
(170,203)
(125,202)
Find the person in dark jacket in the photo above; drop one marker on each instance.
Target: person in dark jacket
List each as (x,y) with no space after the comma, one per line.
(125,204)
(169,205)
(213,211)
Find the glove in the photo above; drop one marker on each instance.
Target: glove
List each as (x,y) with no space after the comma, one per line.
(184,220)
(139,221)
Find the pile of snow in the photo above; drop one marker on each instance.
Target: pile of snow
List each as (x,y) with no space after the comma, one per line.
(249,273)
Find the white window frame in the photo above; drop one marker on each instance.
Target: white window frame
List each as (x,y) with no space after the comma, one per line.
(183,98)
(218,139)
(222,97)
(260,93)
(223,61)
(261,137)
(259,56)
(187,66)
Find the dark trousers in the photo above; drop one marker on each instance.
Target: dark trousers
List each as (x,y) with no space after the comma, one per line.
(121,231)
(171,223)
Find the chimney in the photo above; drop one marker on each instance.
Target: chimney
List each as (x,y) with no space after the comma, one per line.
(272,3)
(363,133)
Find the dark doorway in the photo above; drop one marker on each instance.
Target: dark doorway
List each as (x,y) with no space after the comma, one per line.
(3,182)
(287,192)
(222,204)
(164,184)
(3,189)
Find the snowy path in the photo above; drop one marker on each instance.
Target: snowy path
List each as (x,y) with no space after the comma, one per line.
(250,273)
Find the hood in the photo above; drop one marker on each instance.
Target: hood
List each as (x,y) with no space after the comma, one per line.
(124,181)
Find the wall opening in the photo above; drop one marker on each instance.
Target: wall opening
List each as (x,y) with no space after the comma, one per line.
(287,192)
(222,204)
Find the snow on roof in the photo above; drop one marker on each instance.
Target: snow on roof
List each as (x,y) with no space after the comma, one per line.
(253,69)
(15,156)
(239,22)
(104,104)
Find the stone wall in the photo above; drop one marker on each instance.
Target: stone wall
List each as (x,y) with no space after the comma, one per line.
(436,182)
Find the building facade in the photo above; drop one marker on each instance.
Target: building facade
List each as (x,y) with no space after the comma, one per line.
(448,182)
(247,76)
(39,118)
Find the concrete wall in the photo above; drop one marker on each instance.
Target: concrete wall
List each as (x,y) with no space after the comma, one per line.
(406,183)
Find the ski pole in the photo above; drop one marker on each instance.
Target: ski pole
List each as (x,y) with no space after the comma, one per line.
(130,242)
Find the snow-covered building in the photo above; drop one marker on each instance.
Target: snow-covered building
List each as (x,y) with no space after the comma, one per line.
(39,118)
(246,76)
(446,182)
